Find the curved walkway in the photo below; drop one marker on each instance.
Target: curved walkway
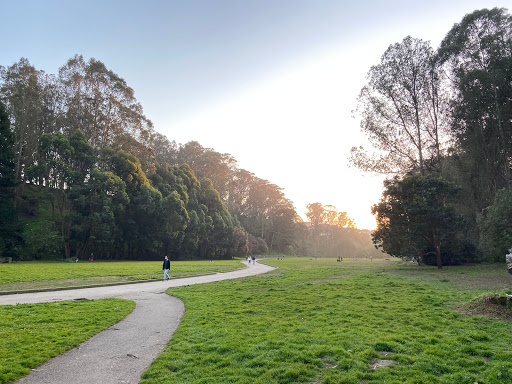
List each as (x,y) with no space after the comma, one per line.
(121,353)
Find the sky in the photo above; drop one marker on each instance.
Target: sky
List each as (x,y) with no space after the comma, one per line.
(273,83)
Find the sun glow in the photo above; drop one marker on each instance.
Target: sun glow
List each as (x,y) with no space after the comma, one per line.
(296,130)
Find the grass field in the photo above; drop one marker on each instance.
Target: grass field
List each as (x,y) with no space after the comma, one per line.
(310,321)
(33,275)
(318,321)
(31,334)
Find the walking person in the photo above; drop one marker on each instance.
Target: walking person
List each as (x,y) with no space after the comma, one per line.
(166,267)
(253,259)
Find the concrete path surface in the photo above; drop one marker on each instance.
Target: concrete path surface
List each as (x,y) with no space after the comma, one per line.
(121,353)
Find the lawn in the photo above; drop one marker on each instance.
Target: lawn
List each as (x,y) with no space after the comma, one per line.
(31,334)
(32,275)
(318,321)
(310,321)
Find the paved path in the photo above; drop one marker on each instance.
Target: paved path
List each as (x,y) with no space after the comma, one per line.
(121,353)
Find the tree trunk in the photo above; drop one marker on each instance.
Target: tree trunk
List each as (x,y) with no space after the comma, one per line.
(437,249)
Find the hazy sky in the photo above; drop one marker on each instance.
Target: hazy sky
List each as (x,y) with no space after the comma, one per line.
(273,83)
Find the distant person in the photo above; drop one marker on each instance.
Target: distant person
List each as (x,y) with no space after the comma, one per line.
(253,259)
(91,258)
(166,267)
(249,260)
(508,258)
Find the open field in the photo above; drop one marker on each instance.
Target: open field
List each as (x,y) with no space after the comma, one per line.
(34,275)
(318,321)
(311,321)
(31,334)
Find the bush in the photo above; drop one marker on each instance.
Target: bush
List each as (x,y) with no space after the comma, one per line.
(42,241)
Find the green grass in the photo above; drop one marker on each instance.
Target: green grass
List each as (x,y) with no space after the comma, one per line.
(28,275)
(31,334)
(318,321)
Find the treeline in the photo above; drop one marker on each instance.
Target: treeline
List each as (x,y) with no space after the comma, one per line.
(83,170)
(440,121)
(332,233)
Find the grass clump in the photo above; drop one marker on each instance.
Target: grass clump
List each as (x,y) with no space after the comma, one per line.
(313,321)
(31,334)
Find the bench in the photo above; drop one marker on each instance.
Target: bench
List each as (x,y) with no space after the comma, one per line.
(5,260)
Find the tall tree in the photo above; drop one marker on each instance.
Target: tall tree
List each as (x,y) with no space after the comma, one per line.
(103,106)
(95,206)
(315,213)
(337,219)
(400,110)
(67,164)
(8,215)
(206,162)
(477,53)
(34,106)
(165,151)
(139,221)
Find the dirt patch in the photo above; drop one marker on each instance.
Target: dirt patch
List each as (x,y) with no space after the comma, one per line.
(379,363)
(492,277)
(494,307)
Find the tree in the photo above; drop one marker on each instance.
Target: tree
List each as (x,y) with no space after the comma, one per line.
(400,110)
(415,218)
(95,206)
(174,218)
(496,226)
(139,221)
(166,151)
(477,53)
(315,213)
(217,243)
(34,105)
(337,219)
(104,108)
(262,209)
(9,227)
(66,163)
(207,163)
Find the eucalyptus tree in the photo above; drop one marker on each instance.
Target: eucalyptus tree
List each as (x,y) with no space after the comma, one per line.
(65,163)
(401,110)
(94,208)
(218,241)
(174,217)
(338,219)
(477,54)
(104,107)
(165,151)
(207,163)
(140,219)
(315,213)
(34,104)
(8,214)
